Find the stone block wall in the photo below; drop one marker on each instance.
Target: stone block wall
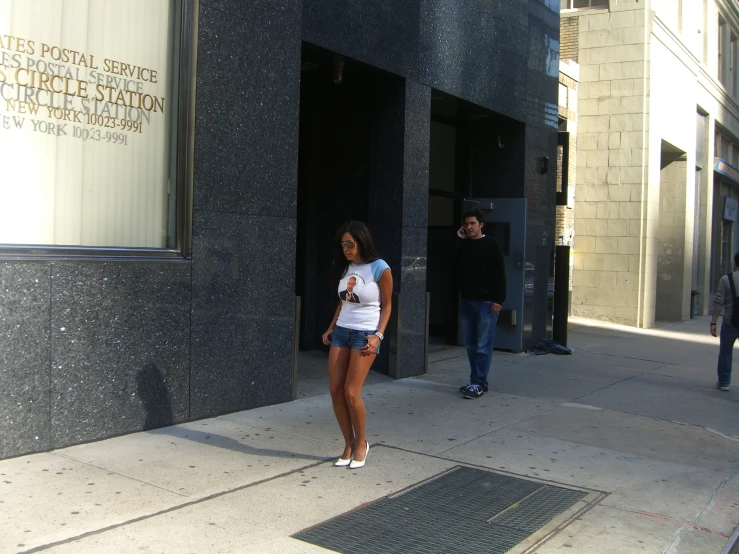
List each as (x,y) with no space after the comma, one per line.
(610,162)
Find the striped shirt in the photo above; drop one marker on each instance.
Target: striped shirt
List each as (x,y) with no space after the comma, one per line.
(723,301)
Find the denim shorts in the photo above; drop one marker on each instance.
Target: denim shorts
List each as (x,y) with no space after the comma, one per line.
(351,338)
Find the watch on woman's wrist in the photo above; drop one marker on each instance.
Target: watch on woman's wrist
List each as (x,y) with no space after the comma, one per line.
(713,324)
(379,336)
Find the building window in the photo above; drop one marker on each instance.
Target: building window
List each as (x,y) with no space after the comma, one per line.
(575,4)
(725,150)
(563,163)
(562,95)
(670,12)
(91,125)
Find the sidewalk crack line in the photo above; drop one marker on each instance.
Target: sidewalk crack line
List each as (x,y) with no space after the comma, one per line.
(170,509)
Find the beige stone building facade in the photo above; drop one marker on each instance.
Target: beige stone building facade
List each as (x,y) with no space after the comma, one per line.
(657,151)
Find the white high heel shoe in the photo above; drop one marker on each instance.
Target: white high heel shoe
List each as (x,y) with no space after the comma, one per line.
(355,464)
(341,462)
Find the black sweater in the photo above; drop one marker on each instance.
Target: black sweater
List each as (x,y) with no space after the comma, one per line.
(480,270)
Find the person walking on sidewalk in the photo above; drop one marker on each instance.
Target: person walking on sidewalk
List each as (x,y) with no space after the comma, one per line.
(723,304)
(356,332)
(480,279)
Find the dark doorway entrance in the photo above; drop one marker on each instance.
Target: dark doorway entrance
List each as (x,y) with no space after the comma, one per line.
(343,103)
(475,153)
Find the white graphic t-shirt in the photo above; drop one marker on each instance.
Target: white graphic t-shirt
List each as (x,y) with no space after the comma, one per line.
(360,296)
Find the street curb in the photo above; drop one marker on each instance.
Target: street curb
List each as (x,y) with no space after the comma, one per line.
(732,545)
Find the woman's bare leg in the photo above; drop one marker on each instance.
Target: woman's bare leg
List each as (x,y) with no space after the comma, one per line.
(356,374)
(338,366)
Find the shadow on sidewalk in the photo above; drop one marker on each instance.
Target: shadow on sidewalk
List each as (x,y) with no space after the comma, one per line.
(219,441)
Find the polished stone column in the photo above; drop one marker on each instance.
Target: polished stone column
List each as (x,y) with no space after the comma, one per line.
(398,215)
(244,225)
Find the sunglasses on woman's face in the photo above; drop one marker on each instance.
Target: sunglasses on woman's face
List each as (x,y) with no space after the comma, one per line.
(348,245)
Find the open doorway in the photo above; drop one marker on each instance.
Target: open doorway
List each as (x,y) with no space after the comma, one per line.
(341,101)
(475,153)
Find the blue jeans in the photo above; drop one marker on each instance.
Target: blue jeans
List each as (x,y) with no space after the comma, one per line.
(726,340)
(478,332)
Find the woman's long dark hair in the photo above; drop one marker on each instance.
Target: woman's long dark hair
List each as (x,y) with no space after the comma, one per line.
(365,244)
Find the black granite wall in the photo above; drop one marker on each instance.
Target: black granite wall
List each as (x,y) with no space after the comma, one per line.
(25,381)
(94,349)
(120,337)
(244,228)
(412,306)
(399,158)
(91,350)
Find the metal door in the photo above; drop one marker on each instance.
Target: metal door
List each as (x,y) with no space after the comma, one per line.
(505,221)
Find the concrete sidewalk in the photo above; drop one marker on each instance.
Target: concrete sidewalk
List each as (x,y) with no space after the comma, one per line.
(632,418)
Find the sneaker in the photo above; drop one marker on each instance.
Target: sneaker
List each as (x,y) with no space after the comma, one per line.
(719,386)
(464,387)
(472,391)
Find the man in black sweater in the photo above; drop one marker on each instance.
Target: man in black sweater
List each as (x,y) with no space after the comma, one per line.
(480,280)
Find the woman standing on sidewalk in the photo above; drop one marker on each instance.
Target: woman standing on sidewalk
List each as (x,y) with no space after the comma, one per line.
(356,332)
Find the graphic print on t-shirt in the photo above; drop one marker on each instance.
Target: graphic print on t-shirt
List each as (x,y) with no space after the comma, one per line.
(352,285)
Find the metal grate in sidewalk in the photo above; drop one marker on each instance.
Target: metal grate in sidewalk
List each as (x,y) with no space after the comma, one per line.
(463,510)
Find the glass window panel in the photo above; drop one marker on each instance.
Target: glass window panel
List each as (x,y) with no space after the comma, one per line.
(562,95)
(86,122)
(560,161)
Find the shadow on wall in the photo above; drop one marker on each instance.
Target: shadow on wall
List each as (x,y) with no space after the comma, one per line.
(154,396)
